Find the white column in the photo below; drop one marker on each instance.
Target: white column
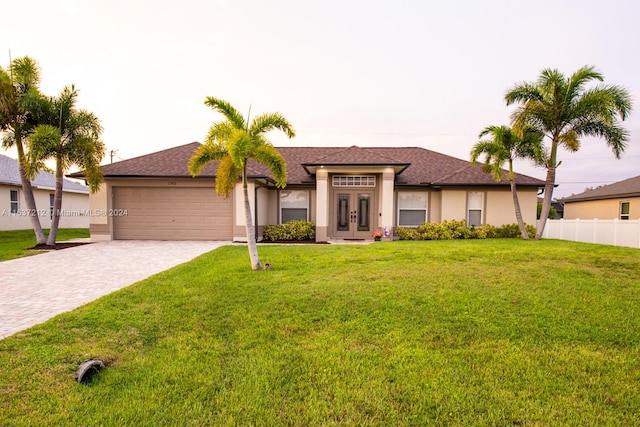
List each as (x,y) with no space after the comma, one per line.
(386,205)
(322,205)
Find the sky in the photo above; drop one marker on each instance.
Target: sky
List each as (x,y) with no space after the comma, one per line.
(402,73)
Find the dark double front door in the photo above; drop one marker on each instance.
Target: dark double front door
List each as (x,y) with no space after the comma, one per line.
(352,214)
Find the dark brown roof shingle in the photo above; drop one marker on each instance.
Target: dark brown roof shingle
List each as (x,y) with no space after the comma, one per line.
(627,188)
(422,167)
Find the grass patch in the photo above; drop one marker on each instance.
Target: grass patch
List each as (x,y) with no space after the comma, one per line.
(16,243)
(483,332)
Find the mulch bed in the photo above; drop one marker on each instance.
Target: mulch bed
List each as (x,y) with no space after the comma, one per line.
(58,246)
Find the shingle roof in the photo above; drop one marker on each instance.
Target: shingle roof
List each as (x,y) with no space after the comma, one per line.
(10,174)
(417,166)
(627,188)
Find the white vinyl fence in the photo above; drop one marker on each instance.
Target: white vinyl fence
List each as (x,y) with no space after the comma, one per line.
(604,231)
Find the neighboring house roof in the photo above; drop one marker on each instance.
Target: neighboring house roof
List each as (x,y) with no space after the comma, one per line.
(627,188)
(414,166)
(10,175)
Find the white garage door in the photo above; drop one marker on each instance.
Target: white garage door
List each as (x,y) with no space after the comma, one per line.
(179,213)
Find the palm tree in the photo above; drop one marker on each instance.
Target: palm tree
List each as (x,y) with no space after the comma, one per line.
(19,100)
(505,146)
(71,137)
(564,109)
(233,142)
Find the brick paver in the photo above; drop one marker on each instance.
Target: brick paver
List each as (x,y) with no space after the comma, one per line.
(37,288)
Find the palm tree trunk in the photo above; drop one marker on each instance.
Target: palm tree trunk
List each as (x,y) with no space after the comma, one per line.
(27,189)
(516,205)
(546,201)
(57,204)
(251,233)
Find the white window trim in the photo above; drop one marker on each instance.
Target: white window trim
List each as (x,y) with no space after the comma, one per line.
(482,207)
(308,208)
(367,181)
(627,215)
(16,202)
(399,208)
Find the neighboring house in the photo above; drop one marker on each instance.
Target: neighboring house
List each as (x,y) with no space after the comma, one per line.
(14,214)
(557,205)
(347,192)
(620,200)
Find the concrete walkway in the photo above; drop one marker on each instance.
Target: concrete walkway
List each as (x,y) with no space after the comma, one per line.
(37,288)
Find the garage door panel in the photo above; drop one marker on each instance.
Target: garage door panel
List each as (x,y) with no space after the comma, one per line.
(172,214)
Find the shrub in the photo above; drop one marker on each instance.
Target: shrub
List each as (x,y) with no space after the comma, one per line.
(453,229)
(513,231)
(294,230)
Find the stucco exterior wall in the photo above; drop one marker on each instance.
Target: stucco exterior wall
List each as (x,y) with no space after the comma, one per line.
(75,209)
(497,205)
(500,209)
(601,209)
(435,207)
(453,205)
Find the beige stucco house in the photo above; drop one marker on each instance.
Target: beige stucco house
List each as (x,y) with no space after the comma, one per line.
(14,214)
(620,200)
(346,191)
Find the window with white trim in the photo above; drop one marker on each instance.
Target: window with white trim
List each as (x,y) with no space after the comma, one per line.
(354,181)
(412,208)
(51,199)
(13,201)
(475,202)
(624,210)
(294,204)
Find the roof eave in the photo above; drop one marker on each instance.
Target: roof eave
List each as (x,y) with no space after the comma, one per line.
(572,199)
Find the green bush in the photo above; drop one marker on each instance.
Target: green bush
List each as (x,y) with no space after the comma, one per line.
(453,229)
(294,230)
(513,231)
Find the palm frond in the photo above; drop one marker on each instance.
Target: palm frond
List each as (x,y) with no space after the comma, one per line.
(575,84)
(569,140)
(240,147)
(271,158)
(219,133)
(227,110)
(270,121)
(205,154)
(25,73)
(522,93)
(226,177)
(42,145)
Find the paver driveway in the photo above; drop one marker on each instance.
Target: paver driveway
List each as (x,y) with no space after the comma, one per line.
(36,288)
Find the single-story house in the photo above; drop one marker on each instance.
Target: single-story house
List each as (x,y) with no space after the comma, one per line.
(620,200)
(14,214)
(557,205)
(346,191)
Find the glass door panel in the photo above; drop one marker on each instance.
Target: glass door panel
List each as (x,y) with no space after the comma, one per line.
(364,204)
(344,215)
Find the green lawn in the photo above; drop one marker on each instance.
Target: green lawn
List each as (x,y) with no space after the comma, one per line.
(494,332)
(16,243)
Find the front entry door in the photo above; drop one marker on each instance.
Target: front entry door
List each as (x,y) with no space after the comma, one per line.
(353,214)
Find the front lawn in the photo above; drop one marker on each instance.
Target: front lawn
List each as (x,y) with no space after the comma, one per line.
(483,332)
(16,243)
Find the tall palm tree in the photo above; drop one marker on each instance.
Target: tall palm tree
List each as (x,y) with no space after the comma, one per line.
(233,142)
(19,101)
(71,137)
(503,146)
(566,109)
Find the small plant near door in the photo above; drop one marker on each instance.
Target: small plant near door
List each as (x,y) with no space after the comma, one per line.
(377,235)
